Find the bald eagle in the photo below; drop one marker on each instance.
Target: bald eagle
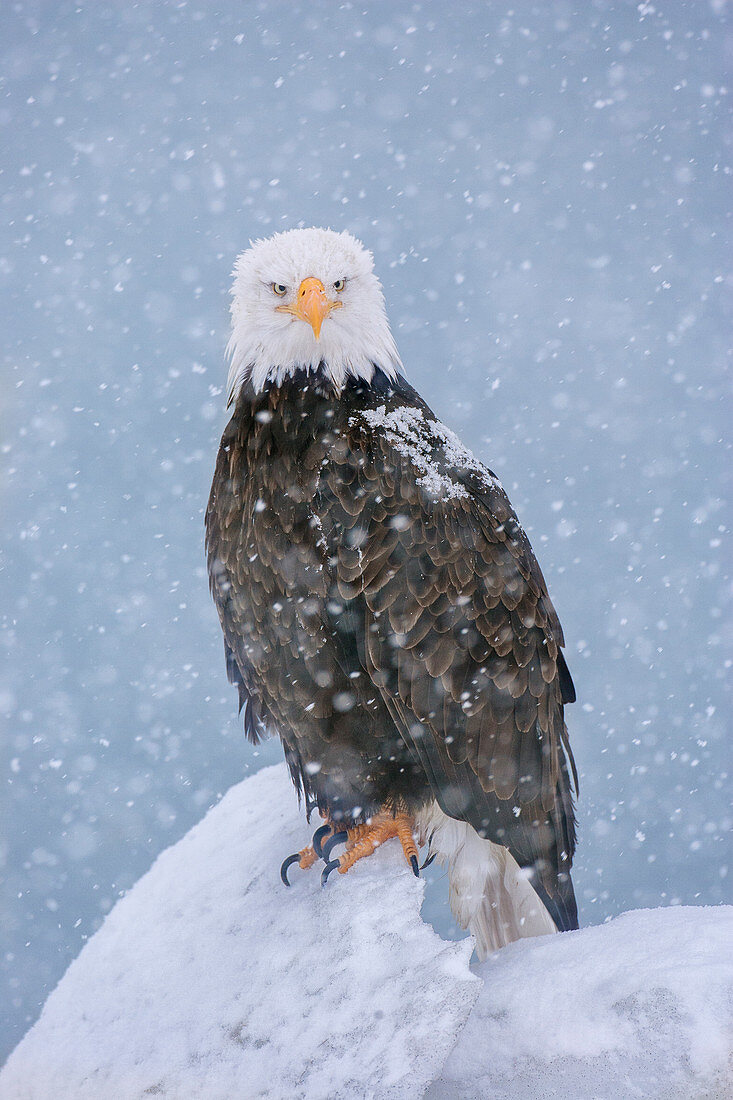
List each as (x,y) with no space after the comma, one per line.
(382,608)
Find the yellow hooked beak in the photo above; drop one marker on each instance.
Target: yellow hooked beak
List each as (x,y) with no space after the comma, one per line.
(311,304)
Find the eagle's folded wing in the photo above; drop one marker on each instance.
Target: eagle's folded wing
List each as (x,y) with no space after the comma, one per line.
(460,635)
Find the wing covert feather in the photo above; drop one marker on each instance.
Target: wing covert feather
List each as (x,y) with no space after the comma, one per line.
(462,638)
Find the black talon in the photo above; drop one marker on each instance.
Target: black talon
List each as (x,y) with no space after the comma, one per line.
(287,863)
(337,838)
(415,868)
(318,836)
(330,866)
(428,861)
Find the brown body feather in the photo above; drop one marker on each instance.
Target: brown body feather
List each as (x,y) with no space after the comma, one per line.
(383,611)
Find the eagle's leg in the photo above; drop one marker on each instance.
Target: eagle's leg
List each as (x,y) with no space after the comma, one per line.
(355,834)
(363,840)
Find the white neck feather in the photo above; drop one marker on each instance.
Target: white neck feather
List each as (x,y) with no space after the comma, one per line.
(268,346)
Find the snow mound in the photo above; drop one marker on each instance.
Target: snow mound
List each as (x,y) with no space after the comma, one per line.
(210,980)
(639,1007)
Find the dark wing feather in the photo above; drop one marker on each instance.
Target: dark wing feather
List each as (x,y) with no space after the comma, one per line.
(461,636)
(225,562)
(249,704)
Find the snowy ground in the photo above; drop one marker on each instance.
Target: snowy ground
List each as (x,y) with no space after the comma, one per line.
(210,981)
(639,1007)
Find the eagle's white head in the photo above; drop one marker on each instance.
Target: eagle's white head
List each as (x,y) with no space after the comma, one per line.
(307,299)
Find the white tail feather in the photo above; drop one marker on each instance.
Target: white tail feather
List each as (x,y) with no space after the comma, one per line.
(490,895)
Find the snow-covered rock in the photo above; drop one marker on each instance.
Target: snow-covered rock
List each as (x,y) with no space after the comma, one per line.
(210,980)
(639,1007)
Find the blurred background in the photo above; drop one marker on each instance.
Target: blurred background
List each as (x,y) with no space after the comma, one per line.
(544,188)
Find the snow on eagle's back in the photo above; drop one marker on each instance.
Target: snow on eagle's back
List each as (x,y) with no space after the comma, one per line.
(415,438)
(208,982)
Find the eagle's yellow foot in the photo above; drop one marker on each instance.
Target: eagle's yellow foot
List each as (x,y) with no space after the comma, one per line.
(364,839)
(305,858)
(324,839)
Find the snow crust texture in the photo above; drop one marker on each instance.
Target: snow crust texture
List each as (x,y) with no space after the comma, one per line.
(210,981)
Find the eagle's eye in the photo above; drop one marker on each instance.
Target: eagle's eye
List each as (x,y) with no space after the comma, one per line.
(339,284)
(280,289)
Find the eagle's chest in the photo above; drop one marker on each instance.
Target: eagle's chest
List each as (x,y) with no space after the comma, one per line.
(281,514)
(281,466)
